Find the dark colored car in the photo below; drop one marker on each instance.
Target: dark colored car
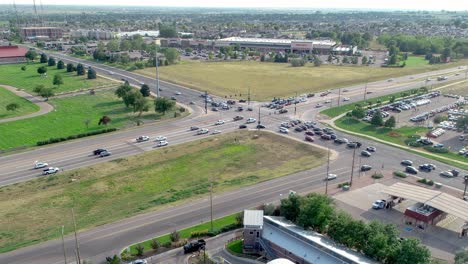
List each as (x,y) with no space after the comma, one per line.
(260,126)
(309,133)
(366,168)
(309,138)
(318,133)
(366,153)
(242,126)
(332,136)
(325,136)
(194,246)
(298,129)
(98,151)
(425,167)
(282,111)
(354,144)
(242,101)
(411,169)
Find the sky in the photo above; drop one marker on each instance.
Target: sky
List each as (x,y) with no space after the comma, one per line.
(457,5)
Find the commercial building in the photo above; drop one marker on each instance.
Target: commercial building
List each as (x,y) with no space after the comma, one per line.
(41,33)
(283,239)
(253,225)
(12,54)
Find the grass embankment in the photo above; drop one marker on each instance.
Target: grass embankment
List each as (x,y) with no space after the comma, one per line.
(397,136)
(118,189)
(235,246)
(11,74)
(185,233)
(68,118)
(25,106)
(457,87)
(268,80)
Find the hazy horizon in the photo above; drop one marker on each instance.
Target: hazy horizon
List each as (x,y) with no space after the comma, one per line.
(430,5)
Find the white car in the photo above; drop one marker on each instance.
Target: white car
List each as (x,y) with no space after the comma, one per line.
(215,132)
(50,170)
(346,99)
(251,120)
(39,165)
(162,143)
(331,177)
(142,138)
(139,261)
(160,138)
(111,73)
(283,130)
(203,131)
(178,93)
(379,204)
(220,122)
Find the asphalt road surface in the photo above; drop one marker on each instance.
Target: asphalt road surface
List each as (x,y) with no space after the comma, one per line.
(99,242)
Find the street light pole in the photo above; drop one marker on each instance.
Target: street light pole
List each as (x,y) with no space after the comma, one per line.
(211,204)
(339,96)
(328,169)
(295,104)
(157,71)
(77,245)
(352,167)
(206,102)
(466,184)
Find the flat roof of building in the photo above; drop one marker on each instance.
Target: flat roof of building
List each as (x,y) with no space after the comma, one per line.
(437,199)
(253,218)
(319,249)
(277,41)
(12,51)
(40,28)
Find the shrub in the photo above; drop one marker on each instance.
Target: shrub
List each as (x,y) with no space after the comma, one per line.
(155,244)
(343,184)
(199,233)
(181,109)
(174,236)
(377,175)
(400,174)
(56,140)
(140,249)
(436,150)
(426,181)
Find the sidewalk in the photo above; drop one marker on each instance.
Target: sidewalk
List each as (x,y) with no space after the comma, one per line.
(44,107)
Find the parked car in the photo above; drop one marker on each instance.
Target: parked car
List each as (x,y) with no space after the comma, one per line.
(194,246)
(309,133)
(298,129)
(282,111)
(98,151)
(379,204)
(455,173)
(40,165)
(325,137)
(283,130)
(366,167)
(139,261)
(365,153)
(50,170)
(142,138)
(309,138)
(406,163)
(251,120)
(411,169)
(260,126)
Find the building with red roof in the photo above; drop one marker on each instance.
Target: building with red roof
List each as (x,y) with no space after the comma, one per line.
(12,54)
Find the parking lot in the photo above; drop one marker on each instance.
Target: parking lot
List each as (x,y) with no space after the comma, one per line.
(442,239)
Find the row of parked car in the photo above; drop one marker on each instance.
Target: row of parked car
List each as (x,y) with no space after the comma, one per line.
(427,115)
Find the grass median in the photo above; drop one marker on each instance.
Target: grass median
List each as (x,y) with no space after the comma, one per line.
(69,118)
(33,211)
(25,106)
(268,80)
(11,74)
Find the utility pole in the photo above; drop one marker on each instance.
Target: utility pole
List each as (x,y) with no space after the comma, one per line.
(365,92)
(76,239)
(328,169)
(211,203)
(63,247)
(157,71)
(352,167)
(248,98)
(466,184)
(258,121)
(339,96)
(295,103)
(206,102)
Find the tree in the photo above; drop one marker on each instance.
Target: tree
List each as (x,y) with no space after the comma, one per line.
(167,31)
(364,60)
(390,123)
(23,68)
(172,55)
(316,212)
(377,119)
(155,244)
(104,120)
(130,98)
(392,60)
(240,218)
(411,251)
(80,70)
(70,67)
(123,89)
(461,257)
(113,45)
(60,65)
(174,236)
(140,104)
(358,112)
(51,62)
(345,59)
(113,260)
(31,55)
(58,80)
(43,58)
(91,73)
(317,62)
(290,207)
(162,104)
(330,58)
(42,70)
(12,106)
(145,90)
(140,249)
(42,91)
(462,123)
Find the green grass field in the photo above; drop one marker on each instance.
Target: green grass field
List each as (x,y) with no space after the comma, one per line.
(268,80)
(458,88)
(7,97)
(124,187)
(11,74)
(235,246)
(68,118)
(185,233)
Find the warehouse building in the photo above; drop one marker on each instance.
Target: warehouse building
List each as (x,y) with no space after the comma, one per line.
(12,54)
(41,33)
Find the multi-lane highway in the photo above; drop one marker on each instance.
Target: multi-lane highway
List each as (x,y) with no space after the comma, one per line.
(102,241)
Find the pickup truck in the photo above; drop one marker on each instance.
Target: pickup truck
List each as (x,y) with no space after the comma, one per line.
(194,246)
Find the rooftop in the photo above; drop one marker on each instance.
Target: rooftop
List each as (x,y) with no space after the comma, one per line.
(278,41)
(253,218)
(12,51)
